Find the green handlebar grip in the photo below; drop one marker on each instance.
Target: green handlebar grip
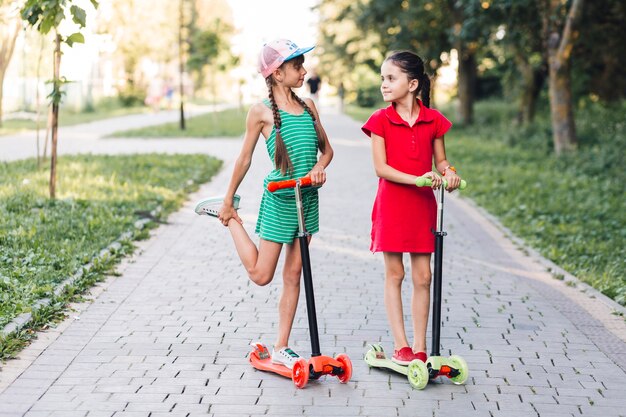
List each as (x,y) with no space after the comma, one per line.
(426,182)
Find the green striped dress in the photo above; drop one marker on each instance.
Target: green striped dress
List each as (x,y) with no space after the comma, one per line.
(278,220)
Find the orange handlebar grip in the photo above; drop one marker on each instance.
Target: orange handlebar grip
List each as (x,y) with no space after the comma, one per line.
(279,185)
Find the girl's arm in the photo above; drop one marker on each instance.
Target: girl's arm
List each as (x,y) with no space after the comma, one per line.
(254,125)
(317,173)
(443,166)
(384,170)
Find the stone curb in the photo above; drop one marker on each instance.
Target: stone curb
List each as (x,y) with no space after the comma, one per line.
(24,319)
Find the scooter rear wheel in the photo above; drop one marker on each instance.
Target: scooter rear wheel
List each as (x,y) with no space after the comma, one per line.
(346,366)
(459,363)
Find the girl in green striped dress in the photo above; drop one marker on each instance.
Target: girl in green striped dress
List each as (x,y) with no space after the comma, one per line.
(294,137)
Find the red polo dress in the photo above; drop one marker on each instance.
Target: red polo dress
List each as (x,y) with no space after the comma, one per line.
(404,216)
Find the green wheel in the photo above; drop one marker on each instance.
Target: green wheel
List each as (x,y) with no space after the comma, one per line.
(417,374)
(459,363)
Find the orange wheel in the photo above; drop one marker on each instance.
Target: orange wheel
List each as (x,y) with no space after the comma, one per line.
(346,366)
(300,373)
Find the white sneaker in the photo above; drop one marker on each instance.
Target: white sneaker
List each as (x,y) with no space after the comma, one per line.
(285,356)
(211,206)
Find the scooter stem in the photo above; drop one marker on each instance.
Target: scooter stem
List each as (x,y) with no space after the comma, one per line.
(437,277)
(306,272)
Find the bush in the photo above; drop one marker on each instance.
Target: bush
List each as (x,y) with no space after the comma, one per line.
(368,96)
(132,96)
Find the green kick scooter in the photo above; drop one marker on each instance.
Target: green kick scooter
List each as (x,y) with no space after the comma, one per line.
(418,372)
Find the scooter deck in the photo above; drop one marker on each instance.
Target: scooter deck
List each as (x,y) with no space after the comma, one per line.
(389,364)
(266,364)
(376,358)
(416,371)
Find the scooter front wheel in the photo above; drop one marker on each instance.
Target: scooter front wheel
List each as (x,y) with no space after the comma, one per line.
(346,366)
(417,374)
(300,373)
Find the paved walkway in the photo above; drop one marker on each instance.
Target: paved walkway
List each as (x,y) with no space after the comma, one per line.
(89,137)
(169,336)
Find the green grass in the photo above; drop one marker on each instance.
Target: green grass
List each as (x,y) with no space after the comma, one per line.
(43,241)
(226,123)
(359,113)
(69,117)
(570,209)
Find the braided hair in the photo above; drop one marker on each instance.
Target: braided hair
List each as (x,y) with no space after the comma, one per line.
(413,66)
(281,156)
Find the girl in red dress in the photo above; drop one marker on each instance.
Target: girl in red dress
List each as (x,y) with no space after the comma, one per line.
(406,138)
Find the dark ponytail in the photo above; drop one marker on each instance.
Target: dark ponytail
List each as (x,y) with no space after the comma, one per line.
(413,66)
(425,90)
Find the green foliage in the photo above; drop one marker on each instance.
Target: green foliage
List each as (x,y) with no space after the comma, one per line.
(43,241)
(227,123)
(205,45)
(368,96)
(597,68)
(569,208)
(46,15)
(132,95)
(57,93)
(208,47)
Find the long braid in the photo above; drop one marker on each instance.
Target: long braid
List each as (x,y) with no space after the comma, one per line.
(321,134)
(281,156)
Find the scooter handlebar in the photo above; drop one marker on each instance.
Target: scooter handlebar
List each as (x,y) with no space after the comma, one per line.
(279,185)
(426,182)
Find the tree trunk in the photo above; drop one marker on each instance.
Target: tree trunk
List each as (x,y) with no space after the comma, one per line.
(526,104)
(561,109)
(55,116)
(532,80)
(539,78)
(559,45)
(466,84)
(181,63)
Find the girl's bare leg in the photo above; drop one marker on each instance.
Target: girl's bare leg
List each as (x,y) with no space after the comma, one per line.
(420,301)
(394,275)
(292,273)
(259,263)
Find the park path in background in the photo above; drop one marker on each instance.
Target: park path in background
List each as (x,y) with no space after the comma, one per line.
(91,137)
(169,336)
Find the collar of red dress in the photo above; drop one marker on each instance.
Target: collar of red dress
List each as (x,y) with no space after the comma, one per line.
(425,115)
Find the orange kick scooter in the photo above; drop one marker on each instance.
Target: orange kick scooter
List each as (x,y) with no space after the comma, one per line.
(318,364)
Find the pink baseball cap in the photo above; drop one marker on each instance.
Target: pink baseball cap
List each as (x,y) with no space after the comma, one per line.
(276,52)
